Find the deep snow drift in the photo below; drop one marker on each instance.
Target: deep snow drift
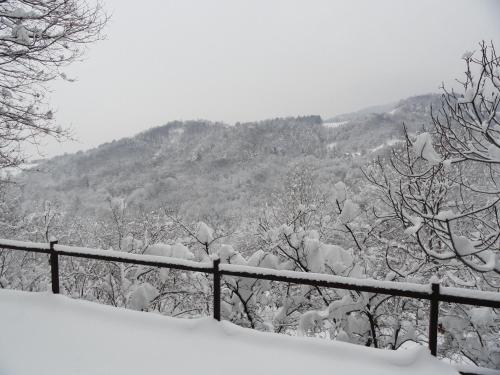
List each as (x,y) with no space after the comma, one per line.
(41,333)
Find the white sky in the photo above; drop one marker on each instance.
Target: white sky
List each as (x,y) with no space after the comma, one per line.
(234,60)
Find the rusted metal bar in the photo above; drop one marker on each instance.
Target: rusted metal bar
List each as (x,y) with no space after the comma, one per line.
(433,319)
(217,277)
(162,264)
(329,284)
(54,268)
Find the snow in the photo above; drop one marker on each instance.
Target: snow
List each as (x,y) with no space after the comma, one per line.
(467,55)
(332,255)
(176,131)
(18,244)
(142,296)
(340,191)
(463,245)
(331,146)
(482,316)
(458,281)
(389,143)
(159,249)
(494,152)
(416,225)
(21,34)
(312,252)
(227,254)
(52,334)
(333,125)
(392,142)
(446,215)
(335,310)
(379,147)
(117,203)
(471,369)
(19,13)
(468,96)
(15,171)
(390,285)
(178,251)
(349,212)
(469,293)
(204,233)
(263,259)
(423,147)
(160,260)
(336,258)
(181,252)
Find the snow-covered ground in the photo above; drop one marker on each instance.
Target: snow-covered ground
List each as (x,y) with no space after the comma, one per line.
(41,333)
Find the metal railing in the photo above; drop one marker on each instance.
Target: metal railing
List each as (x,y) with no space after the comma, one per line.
(432,292)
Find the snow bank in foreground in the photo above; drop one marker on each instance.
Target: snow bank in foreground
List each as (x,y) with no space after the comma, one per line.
(42,333)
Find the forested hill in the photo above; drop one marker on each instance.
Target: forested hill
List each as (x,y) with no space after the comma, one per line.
(203,168)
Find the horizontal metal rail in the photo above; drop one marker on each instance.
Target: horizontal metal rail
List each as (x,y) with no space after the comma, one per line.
(329,281)
(140,259)
(410,290)
(481,298)
(432,292)
(34,247)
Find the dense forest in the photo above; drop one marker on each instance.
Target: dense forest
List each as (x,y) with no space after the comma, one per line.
(203,169)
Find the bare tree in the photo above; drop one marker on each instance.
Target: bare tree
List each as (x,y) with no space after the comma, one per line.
(37,39)
(438,201)
(443,186)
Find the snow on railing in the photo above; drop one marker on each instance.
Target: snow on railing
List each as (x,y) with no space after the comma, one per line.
(461,295)
(43,247)
(340,282)
(432,292)
(142,259)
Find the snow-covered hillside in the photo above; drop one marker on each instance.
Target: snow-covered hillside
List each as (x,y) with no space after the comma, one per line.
(51,334)
(205,168)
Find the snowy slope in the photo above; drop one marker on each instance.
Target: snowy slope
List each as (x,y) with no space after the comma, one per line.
(42,333)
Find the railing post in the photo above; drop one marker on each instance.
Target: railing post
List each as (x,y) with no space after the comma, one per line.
(216,263)
(54,268)
(433,318)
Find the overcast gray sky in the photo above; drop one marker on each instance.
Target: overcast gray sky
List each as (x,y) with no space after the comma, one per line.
(232,60)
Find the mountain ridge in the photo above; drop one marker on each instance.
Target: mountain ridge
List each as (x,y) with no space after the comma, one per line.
(204,167)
